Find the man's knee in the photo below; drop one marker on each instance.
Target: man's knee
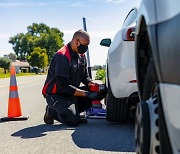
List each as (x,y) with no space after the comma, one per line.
(69,119)
(71,123)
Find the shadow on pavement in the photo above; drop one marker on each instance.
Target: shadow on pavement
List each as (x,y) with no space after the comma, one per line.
(97,134)
(100,135)
(38,131)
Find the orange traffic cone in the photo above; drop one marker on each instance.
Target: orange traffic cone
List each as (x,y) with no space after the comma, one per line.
(14,107)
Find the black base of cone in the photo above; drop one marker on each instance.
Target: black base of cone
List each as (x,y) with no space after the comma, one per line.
(14,119)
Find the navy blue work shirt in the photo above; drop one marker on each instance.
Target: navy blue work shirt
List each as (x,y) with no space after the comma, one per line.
(67,69)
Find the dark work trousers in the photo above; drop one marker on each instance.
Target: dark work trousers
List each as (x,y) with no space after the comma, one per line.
(66,109)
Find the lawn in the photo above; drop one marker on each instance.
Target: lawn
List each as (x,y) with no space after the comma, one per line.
(7,75)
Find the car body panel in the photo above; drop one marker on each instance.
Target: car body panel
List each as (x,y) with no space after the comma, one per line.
(156,11)
(167,9)
(114,54)
(163,12)
(122,64)
(168,50)
(170,96)
(162,18)
(121,61)
(146,8)
(120,85)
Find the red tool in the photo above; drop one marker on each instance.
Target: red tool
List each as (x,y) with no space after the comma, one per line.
(96,111)
(96,88)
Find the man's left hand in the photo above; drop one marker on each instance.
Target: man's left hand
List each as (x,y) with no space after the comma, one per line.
(91,83)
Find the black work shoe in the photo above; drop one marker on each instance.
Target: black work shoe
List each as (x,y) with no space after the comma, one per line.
(83,121)
(48,119)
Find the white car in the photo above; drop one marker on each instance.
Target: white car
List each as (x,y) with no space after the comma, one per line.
(158,74)
(120,68)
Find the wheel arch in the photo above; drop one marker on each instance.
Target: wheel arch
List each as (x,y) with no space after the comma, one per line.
(143,53)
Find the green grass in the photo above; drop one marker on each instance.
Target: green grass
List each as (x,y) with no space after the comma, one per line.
(100,75)
(25,74)
(7,75)
(2,75)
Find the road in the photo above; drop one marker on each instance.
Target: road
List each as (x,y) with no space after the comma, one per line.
(33,136)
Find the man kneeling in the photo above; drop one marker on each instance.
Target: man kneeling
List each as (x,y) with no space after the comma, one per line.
(68,68)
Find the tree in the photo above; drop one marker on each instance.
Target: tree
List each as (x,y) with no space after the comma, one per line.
(16,42)
(51,42)
(12,56)
(96,67)
(38,35)
(38,58)
(43,60)
(5,63)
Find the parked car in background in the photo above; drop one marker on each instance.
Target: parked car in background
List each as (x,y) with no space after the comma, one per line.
(158,74)
(120,71)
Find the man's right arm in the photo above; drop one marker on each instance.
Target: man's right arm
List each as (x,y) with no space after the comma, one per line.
(83,93)
(80,93)
(62,75)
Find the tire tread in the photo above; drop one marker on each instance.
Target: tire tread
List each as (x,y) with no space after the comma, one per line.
(117,109)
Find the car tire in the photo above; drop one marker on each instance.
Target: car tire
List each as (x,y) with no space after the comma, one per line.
(151,82)
(151,79)
(117,109)
(147,121)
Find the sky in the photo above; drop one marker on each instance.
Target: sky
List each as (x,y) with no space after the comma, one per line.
(103,19)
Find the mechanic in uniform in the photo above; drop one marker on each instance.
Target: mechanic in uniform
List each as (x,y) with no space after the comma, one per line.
(68,68)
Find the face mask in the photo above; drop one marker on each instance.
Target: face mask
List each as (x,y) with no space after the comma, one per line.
(82,48)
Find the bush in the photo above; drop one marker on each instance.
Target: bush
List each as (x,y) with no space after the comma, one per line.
(100,75)
(1,70)
(5,63)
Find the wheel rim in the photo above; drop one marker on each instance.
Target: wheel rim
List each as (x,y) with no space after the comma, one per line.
(142,136)
(153,107)
(146,128)
(154,118)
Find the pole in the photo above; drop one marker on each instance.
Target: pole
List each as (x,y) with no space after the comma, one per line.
(87,53)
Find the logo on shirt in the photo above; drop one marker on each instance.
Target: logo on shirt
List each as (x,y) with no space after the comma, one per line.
(75,66)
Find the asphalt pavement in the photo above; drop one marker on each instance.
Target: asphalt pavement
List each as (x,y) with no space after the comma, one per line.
(34,137)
